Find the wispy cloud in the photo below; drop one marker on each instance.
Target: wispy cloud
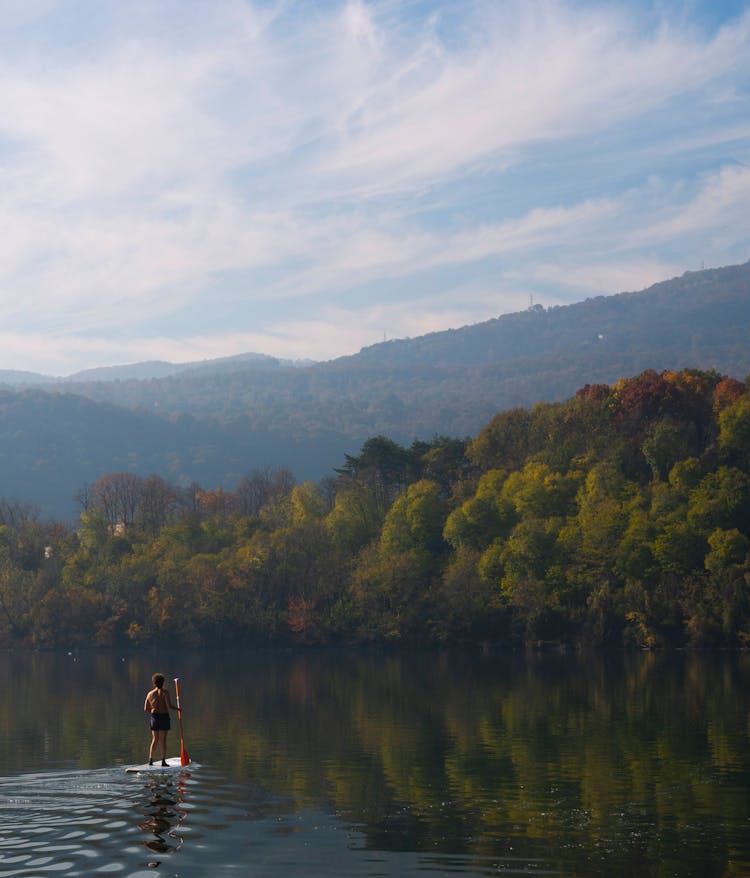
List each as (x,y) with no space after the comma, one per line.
(364,152)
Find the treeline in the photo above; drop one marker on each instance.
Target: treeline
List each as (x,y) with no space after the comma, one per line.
(621,516)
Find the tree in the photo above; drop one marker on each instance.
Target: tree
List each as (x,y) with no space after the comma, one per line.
(216,502)
(355,519)
(646,397)
(384,466)
(118,495)
(390,593)
(158,503)
(15,514)
(489,514)
(443,460)
(734,431)
(307,503)
(503,443)
(666,443)
(415,521)
(538,491)
(716,605)
(17,593)
(466,605)
(527,559)
(567,435)
(727,392)
(721,499)
(261,487)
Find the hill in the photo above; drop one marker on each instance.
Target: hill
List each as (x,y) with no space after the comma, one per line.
(53,444)
(452,382)
(213,421)
(702,315)
(145,370)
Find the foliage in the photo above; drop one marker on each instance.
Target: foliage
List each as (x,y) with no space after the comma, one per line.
(621,516)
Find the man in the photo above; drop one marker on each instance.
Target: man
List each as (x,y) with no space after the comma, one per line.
(158,704)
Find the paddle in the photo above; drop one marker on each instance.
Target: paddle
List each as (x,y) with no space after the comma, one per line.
(184,756)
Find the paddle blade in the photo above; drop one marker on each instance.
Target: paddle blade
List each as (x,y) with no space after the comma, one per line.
(184,756)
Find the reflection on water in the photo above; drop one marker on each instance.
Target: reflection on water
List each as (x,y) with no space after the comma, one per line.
(71,823)
(81,823)
(395,764)
(161,807)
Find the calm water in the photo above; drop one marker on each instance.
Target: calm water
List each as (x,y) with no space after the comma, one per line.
(351,764)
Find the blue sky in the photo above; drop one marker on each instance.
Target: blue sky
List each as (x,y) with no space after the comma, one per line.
(188,180)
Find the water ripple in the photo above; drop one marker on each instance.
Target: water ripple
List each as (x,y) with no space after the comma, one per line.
(191,824)
(105,822)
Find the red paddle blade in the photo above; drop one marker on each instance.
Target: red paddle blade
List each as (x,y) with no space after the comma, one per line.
(184,757)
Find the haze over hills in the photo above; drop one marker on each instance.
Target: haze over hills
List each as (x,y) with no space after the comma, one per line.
(213,421)
(149,369)
(452,382)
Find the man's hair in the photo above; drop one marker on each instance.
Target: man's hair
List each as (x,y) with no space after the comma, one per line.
(158,680)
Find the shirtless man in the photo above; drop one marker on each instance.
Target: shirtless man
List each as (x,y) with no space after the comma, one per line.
(158,704)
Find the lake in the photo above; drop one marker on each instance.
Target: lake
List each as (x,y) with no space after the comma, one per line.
(328,763)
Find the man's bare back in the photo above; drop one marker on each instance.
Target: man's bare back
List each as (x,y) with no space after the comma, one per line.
(158,701)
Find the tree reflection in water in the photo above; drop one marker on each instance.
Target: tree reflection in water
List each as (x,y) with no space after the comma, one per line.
(619,763)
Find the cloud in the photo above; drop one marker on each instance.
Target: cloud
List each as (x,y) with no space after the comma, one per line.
(602,278)
(528,73)
(350,151)
(717,211)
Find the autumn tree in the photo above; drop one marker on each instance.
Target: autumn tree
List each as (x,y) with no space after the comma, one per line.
(260,487)
(118,496)
(158,504)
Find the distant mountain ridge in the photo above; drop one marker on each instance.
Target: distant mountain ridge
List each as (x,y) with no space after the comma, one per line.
(149,369)
(629,320)
(453,381)
(215,420)
(624,322)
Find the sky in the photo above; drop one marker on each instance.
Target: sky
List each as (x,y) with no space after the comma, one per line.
(188,180)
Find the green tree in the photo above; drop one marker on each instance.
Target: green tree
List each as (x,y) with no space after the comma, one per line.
(665,444)
(528,583)
(355,519)
(307,503)
(734,432)
(467,606)
(484,517)
(415,521)
(721,499)
(504,442)
(538,491)
(382,465)
(390,594)
(716,605)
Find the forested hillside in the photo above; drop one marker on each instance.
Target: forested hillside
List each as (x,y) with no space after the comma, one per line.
(452,382)
(53,444)
(211,422)
(620,516)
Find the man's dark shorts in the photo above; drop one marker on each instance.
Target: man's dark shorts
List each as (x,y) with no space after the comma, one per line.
(159,722)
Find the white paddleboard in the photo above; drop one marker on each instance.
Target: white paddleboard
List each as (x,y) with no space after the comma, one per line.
(172,763)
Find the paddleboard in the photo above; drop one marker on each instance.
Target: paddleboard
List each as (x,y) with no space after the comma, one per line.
(173,763)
